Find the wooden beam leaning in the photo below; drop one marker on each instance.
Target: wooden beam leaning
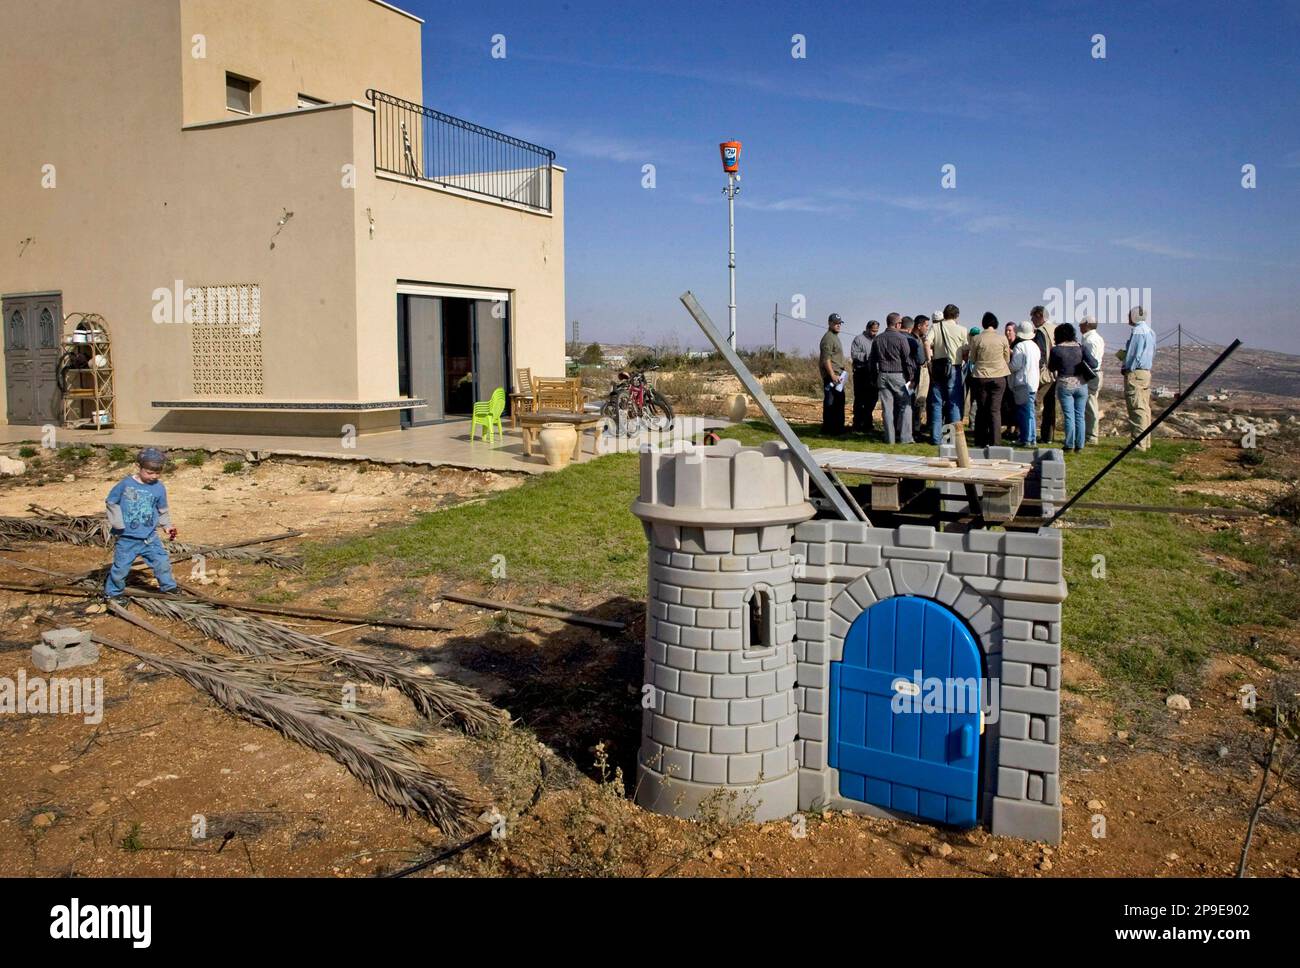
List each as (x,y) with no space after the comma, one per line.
(755,390)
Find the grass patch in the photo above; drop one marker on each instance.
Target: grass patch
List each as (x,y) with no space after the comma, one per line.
(197,459)
(25,452)
(569,528)
(75,454)
(232,467)
(118,454)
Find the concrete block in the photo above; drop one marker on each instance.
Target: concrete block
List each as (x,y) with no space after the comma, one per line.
(746,712)
(1015,673)
(776,763)
(1028,755)
(1026,820)
(1043,569)
(1042,702)
(728,687)
(667,678)
(1012,783)
(760,684)
(863,556)
(746,542)
(678,707)
(744,768)
(714,663)
(915,536)
(774,707)
(693,737)
(1012,725)
(1044,653)
(969,563)
(1038,677)
(761,738)
(727,739)
(695,684)
(663,730)
(1038,728)
(707,768)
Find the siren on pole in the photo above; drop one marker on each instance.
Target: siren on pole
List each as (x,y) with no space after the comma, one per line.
(730,157)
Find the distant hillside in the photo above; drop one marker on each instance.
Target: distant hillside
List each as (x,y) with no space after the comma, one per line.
(1248,371)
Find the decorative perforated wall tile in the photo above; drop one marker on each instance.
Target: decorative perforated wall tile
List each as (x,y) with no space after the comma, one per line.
(226,340)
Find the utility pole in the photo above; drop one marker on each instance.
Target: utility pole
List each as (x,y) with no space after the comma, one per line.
(731,166)
(775,312)
(1180,359)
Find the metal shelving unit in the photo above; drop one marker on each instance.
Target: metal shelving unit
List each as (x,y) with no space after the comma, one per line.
(86,369)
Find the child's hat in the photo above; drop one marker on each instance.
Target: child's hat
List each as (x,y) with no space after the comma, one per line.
(151,457)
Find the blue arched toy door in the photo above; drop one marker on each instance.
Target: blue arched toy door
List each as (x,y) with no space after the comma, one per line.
(908,746)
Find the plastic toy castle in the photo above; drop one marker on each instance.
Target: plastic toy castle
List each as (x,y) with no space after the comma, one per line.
(806,663)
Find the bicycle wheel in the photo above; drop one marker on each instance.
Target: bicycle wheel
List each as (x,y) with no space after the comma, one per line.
(659,413)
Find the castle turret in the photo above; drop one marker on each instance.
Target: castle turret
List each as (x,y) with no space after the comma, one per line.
(720,629)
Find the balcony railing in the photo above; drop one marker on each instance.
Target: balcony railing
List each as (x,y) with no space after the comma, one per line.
(425,145)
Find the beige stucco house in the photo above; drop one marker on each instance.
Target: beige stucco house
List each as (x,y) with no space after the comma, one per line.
(278,236)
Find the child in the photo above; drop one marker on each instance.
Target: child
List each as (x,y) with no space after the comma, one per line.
(137,508)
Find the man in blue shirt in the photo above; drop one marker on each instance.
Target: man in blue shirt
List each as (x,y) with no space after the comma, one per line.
(137,508)
(1136,359)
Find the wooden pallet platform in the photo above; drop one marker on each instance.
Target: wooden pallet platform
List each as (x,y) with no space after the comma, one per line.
(1000,482)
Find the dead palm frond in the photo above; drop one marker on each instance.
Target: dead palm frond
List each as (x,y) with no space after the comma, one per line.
(254,555)
(301,676)
(435,698)
(386,768)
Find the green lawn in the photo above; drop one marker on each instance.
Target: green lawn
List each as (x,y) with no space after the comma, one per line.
(1160,609)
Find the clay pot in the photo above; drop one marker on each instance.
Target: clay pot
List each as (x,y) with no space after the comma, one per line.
(739,407)
(558,441)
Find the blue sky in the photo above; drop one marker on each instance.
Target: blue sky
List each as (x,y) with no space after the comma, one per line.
(1119,172)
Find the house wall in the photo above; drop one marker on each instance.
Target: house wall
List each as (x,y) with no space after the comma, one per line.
(140,202)
(326,49)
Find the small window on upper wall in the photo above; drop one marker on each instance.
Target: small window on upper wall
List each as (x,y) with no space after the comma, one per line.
(239,93)
(309,102)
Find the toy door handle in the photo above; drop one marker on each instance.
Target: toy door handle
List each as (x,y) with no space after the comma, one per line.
(967,742)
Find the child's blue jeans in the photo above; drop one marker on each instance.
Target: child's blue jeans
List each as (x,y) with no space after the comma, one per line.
(126,551)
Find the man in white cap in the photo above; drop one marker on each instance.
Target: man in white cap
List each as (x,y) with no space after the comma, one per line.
(1136,359)
(1094,344)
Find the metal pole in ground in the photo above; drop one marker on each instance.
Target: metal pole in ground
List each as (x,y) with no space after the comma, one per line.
(1178,402)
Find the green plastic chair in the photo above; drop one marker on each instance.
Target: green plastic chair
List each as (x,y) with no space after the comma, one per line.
(488,415)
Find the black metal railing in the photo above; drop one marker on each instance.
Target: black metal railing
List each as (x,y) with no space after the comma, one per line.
(425,145)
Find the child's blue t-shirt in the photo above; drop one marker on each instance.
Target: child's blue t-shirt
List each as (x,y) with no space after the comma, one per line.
(139,507)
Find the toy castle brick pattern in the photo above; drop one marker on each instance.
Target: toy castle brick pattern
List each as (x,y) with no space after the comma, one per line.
(750,603)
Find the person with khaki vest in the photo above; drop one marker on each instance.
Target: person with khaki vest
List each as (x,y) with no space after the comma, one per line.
(990,357)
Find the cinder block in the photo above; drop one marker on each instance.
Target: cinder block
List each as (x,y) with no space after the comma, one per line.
(676,763)
(1038,677)
(714,663)
(761,738)
(696,597)
(713,618)
(1042,702)
(744,768)
(728,639)
(1011,567)
(667,678)
(1043,569)
(1012,725)
(1015,673)
(671,594)
(693,737)
(1035,786)
(1041,653)
(786,730)
(727,739)
(746,542)
(680,658)
(1031,610)
(663,730)
(1012,783)
(746,712)
(1037,728)
(678,707)
(776,763)
(863,556)
(707,768)
(969,563)
(695,684)
(728,687)
(1028,755)
(1027,820)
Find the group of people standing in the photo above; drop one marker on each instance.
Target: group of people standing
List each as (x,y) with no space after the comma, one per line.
(1001,381)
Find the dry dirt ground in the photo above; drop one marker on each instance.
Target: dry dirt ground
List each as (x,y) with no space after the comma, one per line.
(120,798)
